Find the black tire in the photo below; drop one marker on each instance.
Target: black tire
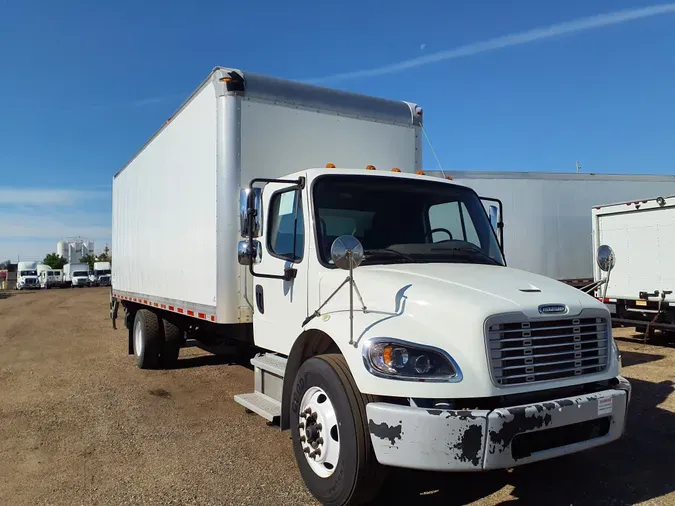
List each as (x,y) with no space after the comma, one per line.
(148,323)
(173,339)
(357,476)
(641,329)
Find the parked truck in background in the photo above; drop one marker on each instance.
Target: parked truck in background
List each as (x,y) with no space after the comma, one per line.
(100,276)
(76,275)
(546,225)
(639,236)
(48,277)
(52,278)
(393,333)
(27,276)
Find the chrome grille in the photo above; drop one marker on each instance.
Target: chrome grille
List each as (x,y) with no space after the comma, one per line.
(530,351)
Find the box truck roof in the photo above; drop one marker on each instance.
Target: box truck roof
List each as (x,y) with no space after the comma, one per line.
(303,96)
(556,176)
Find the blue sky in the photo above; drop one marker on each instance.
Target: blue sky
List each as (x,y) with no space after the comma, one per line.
(84,84)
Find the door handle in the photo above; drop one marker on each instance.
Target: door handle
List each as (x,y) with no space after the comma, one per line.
(259,299)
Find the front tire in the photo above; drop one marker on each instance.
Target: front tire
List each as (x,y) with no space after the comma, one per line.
(147,339)
(328,414)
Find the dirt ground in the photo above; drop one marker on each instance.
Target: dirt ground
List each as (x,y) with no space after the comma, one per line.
(80,424)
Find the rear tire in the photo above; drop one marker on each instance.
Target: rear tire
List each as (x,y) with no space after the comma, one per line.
(147,339)
(325,384)
(173,339)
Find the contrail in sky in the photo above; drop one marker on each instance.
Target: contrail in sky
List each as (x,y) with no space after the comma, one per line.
(579,25)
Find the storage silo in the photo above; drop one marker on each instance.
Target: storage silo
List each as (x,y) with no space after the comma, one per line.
(73,249)
(62,249)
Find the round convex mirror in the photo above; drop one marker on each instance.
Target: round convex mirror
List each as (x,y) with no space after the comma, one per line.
(346,249)
(606,258)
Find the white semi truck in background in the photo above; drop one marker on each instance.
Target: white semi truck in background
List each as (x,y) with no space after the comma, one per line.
(639,237)
(546,225)
(76,275)
(27,276)
(100,276)
(390,330)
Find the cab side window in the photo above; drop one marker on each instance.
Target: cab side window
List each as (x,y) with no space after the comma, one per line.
(286,228)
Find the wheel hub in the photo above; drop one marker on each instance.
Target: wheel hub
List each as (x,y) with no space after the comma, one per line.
(319,434)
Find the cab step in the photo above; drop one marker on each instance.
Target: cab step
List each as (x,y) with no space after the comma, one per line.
(268,374)
(261,404)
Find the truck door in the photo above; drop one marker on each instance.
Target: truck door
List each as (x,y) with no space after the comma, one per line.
(280,276)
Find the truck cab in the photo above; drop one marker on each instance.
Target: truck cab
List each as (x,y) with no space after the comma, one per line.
(27,276)
(101,274)
(463,363)
(76,275)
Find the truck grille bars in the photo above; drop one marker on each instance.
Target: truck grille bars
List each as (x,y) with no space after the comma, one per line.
(524,352)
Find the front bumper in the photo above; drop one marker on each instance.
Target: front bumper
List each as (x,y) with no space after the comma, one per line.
(447,440)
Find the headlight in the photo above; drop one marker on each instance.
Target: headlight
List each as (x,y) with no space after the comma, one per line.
(392,358)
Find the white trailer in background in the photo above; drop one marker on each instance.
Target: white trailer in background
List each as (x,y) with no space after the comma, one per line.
(51,278)
(546,214)
(431,355)
(639,290)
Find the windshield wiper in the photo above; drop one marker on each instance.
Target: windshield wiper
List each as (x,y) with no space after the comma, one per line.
(388,251)
(474,249)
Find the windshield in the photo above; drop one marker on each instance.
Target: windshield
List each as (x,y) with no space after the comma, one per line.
(80,273)
(102,272)
(404,221)
(28,273)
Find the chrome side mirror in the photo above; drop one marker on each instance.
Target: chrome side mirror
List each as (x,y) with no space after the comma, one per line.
(346,252)
(494,217)
(250,199)
(249,252)
(606,259)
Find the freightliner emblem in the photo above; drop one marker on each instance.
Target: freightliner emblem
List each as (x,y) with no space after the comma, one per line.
(552,309)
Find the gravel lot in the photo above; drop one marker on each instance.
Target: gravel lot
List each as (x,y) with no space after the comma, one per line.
(80,424)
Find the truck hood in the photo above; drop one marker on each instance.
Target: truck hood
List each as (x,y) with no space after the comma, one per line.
(481,290)
(446,306)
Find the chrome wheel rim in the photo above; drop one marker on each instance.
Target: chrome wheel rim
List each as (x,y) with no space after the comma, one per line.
(319,432)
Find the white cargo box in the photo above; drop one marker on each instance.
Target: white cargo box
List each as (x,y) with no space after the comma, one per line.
(642,235)
(547,229)
(175,204)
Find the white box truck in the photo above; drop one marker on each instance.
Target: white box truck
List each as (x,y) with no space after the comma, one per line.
(76,275)
(101,274)
(27,276)
(427,352)
(639,237)
(546,225)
